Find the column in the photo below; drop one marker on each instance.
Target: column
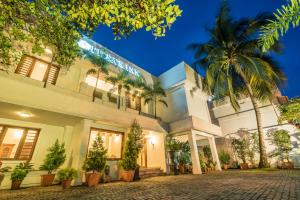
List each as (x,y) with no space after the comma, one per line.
(79,146)
(194,153)
(214,152)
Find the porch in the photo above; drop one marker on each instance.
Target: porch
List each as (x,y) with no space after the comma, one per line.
(199,134)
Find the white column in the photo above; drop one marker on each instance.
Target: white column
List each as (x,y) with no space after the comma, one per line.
(194,153)
(78,146)
(214,152)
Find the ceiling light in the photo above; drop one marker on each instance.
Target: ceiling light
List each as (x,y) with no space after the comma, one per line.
(24,114)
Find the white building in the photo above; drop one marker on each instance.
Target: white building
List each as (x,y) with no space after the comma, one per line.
(40,103)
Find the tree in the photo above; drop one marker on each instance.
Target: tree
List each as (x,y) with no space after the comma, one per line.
(154,93)
(32,26)
(101,67)
(55,157)
(284,17)
(120,81)
(282,141)
(59,24)
(96,158)
(134,144)
(290,112)
(236,66)
(138,83)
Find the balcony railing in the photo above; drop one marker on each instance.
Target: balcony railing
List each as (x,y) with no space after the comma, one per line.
(128,101)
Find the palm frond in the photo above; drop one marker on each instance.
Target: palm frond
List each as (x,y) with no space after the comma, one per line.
(163,102)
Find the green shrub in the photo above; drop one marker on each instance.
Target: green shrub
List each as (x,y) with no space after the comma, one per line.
(184,158)
(202,162)
(224,157)
(134,145)
(282,141)
(20,171)
(66,174)
(207,154)
(55,158)
(96,159)
(240,148)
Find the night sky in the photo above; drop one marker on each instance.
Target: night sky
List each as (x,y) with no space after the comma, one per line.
(159,55)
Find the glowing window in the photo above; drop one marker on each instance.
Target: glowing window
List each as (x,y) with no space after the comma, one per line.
(39,70)
(17,143)
(112,142)
(102,85)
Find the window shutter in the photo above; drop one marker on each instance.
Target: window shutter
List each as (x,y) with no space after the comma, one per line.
(52,75)
(25,66)
(28,145)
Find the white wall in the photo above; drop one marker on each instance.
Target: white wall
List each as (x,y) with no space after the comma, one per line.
(46,138)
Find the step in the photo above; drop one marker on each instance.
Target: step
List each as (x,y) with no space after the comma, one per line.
(150,172)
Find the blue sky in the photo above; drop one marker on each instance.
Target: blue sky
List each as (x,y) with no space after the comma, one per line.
(159,55)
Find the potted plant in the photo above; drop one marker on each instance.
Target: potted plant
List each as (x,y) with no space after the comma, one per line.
(184,160)
(134,145)
(19,173)
(283,146)
(95,162)
(54,159)
(224,159)
(2,170)
(65,176)
(202,163)
(210,164)
(239,146)
(173,146)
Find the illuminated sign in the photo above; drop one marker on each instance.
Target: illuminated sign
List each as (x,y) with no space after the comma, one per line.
(107,55)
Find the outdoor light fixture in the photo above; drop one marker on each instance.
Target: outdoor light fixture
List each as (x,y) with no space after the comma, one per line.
(211,98)
(117,137)
(47,50)
(152,140)
(24,114)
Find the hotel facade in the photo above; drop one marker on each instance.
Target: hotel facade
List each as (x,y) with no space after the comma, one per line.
(40,103)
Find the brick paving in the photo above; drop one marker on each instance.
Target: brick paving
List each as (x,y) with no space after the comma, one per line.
(227,185)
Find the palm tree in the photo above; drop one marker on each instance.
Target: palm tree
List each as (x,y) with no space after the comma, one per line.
(154,93)
(235,65)
(120,81)
(139,84)
(100,66)
(284,17)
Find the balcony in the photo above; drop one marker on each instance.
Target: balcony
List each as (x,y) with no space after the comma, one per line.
(23,91)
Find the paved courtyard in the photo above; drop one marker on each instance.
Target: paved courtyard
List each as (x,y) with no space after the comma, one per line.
(255,184)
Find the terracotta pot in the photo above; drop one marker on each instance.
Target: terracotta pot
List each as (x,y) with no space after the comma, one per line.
(15,185)
(225,166)
(92,179)
(66,183)
(47,179)
(128,175)
(244,166)
(181,169)
(288,165)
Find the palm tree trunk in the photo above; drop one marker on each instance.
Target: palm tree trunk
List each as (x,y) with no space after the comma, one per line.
(155,107)
(119,96)
(263,160)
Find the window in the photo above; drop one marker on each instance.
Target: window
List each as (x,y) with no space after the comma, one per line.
(37,69)
(17,143)
(102,85)
(112,142)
